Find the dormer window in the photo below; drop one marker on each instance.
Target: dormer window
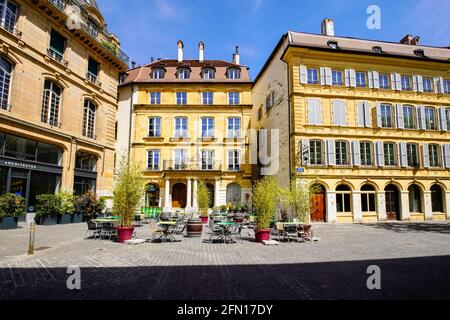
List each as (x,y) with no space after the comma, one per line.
(158,73)
(209,74)
(333,45)
(234,73)
(377,49)
(420,53)
(183,74)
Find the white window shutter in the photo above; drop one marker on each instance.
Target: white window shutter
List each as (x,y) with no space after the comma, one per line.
(318,103)
(331,150)
(368,115)
(399,116)
(352,78)
(404,155)
(442,119)
(370,75)
(361,114)
(398,81)
(436,85)
(303,75)
(323,76)
(393,82)
(311,111)
(329,77)
(419,83)
(421,118)
(376,79)
(415,83)
(446,155)
(378,110)
(339,114)
(305,152)
(356,154)
(379,153)
(347,77)
(441,85)
(426,155)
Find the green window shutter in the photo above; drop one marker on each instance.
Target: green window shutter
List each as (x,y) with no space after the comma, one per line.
(57,42)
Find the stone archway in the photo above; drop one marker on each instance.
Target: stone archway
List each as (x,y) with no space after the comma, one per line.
(179,195)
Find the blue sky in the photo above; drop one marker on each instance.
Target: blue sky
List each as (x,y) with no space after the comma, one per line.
(149,28)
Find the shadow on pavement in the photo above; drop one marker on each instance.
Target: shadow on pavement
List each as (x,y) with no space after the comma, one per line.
(413,226)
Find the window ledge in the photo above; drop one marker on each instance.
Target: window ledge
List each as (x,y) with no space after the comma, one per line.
(233,139)
(180,139)
(207,139)
(154,139)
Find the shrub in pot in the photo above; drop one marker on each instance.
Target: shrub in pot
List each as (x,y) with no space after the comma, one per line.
(88,207)
(128,191)
(265,199)
(66,207)
(47,209)
(11,208)
(203,199)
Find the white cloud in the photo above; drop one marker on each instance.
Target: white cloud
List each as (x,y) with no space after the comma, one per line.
(257,4)
(164,8)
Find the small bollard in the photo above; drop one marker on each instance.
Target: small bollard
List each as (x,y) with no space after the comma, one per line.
(31,243)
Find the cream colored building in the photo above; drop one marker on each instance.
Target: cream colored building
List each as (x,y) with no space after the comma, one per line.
(59,72)
(186,120)
(367,121)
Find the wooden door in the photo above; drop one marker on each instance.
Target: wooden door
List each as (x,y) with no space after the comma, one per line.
(392,203)
(318,210)
(179,196)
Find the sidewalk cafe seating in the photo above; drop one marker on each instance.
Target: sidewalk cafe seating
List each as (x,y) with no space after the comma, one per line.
(214,231)
(94,229)
(306,233)
(290,232)
(137,220)
(155,231)
(237,231)
(108,230)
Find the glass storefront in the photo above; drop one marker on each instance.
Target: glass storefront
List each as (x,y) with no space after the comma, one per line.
(85,179)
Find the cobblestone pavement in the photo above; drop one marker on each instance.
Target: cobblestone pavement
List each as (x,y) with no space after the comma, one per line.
(414,259)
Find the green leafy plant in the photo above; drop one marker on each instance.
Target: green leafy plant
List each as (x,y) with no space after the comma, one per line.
(128,191)
(265,199)
(11,205)
(47,205)
(89,205)
(297,199)
(223,208)
(66,203)
(203,198)
(111,47)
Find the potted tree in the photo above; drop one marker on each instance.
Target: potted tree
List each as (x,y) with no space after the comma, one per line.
(203,198)
(127,195)
(47,209)
(265,198)
(87,207)
(11,208)
(66,207)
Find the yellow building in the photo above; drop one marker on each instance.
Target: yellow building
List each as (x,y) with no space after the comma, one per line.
(187,120)
(59,70)
(366,120)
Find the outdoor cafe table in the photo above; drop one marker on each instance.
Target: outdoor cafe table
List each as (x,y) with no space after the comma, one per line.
(226,233)
(167,235)
(106,220)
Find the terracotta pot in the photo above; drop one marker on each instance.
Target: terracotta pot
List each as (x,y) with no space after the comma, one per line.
(261,235)
(204,220)
(124,234)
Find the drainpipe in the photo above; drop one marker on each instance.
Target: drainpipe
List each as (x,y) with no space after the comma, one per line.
(289,118)
(131,122)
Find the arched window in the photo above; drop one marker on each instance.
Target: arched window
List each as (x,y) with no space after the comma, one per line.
(209,74)
(51,103)
(368,198)
(234,73)
(233,193)
(89,119)
(5,82)
(158,73)
(437,202)
(183,73)
(415,199)
(8,11)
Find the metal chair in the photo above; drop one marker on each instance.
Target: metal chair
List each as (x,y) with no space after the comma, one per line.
(290,232)
(155,231)
(215,231)
(237,231)
(108,230)
(137,221)
(307,233)
(94,229)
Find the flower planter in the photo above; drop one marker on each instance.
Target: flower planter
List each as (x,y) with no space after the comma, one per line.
(7,223)
(65,219)
(262,235)
(77,218)
(124,234)
(204,220)
(47,221)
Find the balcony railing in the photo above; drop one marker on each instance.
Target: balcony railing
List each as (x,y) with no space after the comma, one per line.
(55,55)
(93,79)
(60,4)
(9,24)
(191,165)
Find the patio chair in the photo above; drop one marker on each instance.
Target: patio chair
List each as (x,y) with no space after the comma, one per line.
(93,230)
(237,232)
(108,230)
(290,232)
(279,230)
(137,221)
(215,231)
(180,227)
(155,231)
(307,233)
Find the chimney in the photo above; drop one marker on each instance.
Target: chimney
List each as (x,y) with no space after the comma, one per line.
(407,39)
(415,41)
(237,57)
(180,50)
(133,64)
(328,27)
(201,51)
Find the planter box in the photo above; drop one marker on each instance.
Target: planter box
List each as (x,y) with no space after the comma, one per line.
(77,218)
(7,223)
(65,219)
(47,221)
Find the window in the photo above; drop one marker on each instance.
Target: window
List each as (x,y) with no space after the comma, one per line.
(207,127)
(154,127)
(377,49)
(234,74)
(361,79)
(315,152)
(343,199)
(341,153)
(270,101)
(446,85)
(234,127)
(433,152)
(337,78)
(158,73)
(89,114)
(313,76)
(333,45)
(389,154)
(57,46)
(260,113)
(430,119)
(406,83)
(93,70)
(153,157)
(366,153)
(86,161)
(208,98)
(234,160)
(233,98)
(155,97)
(415,199)
(386,116)
(427,85)
(447,116)
(412,155)
(8,14)
(209,74)
(181,127)
(180,162)
(408,117)
(5,82)
(51,103)
(183,74)
(207,159)
(368,198)
(384,81)
(420,53)
(181,98)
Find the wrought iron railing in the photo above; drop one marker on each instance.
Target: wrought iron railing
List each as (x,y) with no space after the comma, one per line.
(55,55)
(60,4)
(192,165)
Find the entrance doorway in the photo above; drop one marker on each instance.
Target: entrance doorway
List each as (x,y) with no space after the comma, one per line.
(392,203)
(179,196)
(211,194)
(318,205)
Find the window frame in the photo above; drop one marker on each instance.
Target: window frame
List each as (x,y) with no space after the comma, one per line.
(403,82)
(155,97)
(387,156)
(316,148)
(183,130)
(156,155)
(183,74)
(430,122)
(381,82)
(181,98)
(335,79)
(425,86)
(232,132)
(407,124)
(341,152)
(235,164)
(5,97)
(158,73)
(359,78)
(49,107)
(207,72)
(434,156)
(156,127)
(412,155)
(311,73)
(234,98)
(207,98)
(364,154)
(383,106)
(207,159)
(234,73)
(89,119)
(208,127)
